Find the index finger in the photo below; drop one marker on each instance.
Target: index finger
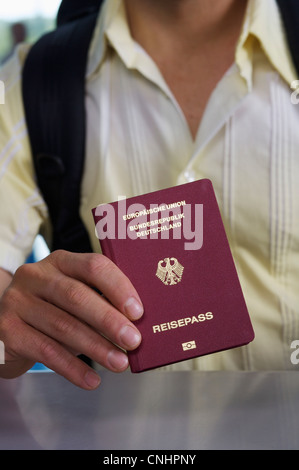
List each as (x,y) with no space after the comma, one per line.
(100,272)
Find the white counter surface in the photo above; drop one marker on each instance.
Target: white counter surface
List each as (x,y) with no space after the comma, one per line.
(153,410)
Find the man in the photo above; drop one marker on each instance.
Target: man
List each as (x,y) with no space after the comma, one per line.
(176,90)
(18,34)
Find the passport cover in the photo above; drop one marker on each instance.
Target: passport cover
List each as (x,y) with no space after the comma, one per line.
(173,247)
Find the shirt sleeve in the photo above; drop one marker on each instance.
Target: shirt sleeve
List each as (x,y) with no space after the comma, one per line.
(22,209)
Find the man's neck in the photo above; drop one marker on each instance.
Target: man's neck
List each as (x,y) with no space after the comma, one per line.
(178,24)
(192,42)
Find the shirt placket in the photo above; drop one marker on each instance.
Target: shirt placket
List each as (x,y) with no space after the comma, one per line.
(224,101)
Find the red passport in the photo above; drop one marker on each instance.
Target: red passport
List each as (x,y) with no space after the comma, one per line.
(173,247)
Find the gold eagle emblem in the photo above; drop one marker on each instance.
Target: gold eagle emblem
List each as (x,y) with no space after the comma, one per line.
(169,271)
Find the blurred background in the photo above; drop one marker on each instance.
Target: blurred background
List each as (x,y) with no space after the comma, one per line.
(24,20)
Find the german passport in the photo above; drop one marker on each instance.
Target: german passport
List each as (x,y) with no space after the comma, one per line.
(172,245)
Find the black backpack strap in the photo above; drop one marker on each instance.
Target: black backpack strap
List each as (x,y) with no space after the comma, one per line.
(71,10)
(54,101)
(289,10)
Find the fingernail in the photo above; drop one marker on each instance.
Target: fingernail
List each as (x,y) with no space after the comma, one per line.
(130,337)
(92,379)
(133,308)
(117,360)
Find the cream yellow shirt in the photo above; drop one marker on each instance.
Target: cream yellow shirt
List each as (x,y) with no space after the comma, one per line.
(138,141)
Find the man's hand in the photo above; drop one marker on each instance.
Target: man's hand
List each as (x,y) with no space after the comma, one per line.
(51,312)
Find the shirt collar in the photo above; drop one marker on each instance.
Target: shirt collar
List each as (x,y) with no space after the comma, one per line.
(262,22)
(111,30)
